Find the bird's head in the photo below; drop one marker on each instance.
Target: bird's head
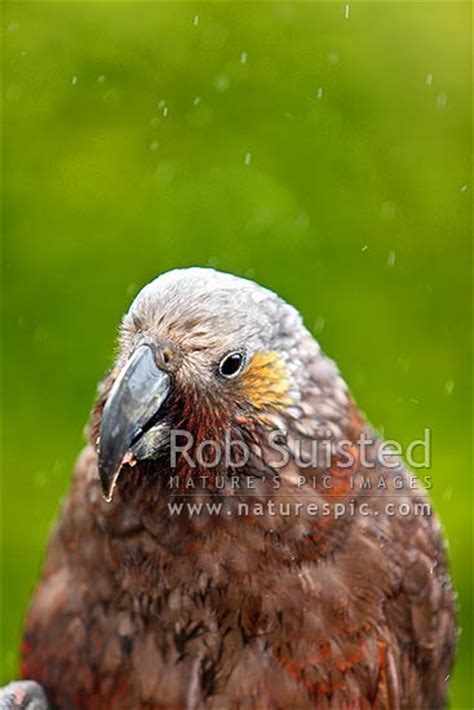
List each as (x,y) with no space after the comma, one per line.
(206,353)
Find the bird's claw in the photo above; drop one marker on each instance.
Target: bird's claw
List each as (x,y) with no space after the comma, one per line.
(23,695)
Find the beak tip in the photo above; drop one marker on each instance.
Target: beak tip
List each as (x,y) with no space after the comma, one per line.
(109,474)
(108,482)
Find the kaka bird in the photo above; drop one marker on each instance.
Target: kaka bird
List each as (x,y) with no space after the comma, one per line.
(180,577)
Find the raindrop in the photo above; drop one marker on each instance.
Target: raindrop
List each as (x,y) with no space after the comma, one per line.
(101,79)
(346,11)
(448,494)
(74,80)
(196,21)
(319,324)
(222,82)
(197,100)
(365,247)
(463,188)
(391,259)
(165,111)
(154,145)
(243,58)
(248,158)
(429,79)
(441,101)
(319,93)
(449,387)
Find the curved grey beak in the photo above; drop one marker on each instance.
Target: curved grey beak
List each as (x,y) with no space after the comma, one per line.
(130,411)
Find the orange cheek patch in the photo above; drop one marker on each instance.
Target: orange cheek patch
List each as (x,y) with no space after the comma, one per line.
(265,383)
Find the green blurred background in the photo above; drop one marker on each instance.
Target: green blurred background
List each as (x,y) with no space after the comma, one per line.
(326,156)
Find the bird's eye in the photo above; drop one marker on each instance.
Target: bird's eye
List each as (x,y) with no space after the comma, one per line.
(231,365)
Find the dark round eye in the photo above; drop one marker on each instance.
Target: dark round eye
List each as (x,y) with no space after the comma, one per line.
(231,365)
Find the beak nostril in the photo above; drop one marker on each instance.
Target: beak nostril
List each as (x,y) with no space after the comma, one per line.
(166,356)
